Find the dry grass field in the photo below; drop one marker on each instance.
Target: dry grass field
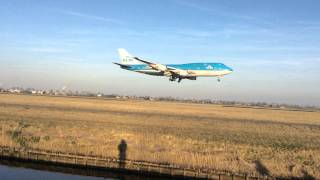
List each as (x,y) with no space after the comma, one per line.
(269,142)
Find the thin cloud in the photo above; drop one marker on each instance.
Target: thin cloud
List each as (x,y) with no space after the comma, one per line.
(208,9)
(92,17)
(229,14)
(226,32)
(309,23)
(47,50)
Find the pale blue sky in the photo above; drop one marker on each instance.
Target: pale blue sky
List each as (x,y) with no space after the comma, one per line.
(273,46)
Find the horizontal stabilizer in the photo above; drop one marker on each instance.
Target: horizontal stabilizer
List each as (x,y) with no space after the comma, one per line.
(122,65)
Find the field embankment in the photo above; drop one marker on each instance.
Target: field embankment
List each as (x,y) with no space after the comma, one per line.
(268,142)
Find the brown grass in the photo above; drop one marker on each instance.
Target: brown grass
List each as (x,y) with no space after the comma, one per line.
(281,143)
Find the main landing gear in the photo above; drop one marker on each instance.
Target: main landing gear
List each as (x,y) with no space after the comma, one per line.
(218,79)
(172,78)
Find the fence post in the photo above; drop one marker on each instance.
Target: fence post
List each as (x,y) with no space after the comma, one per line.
(208,174)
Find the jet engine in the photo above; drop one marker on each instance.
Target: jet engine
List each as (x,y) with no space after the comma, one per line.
(192,78)
(159,67)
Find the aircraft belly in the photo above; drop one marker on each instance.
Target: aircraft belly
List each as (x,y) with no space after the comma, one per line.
(191,73)
(208,73)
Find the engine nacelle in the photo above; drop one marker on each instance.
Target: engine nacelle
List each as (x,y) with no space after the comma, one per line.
(167,73)
(183,73)
(159,67)
(192,78)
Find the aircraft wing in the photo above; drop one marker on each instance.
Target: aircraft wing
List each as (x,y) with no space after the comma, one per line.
(146,62)
(168,71)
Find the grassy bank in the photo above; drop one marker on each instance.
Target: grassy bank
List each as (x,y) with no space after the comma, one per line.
(270,142)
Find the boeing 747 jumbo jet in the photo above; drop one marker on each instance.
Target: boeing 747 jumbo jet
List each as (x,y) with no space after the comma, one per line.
(174,71)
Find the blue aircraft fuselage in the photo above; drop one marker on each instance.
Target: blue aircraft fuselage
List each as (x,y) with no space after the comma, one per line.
(174,71)
(195,69)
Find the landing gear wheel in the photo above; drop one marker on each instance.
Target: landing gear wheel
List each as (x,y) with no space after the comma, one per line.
(172,78)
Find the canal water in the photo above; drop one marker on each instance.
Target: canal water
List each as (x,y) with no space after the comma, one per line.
(10,170)
(18,173)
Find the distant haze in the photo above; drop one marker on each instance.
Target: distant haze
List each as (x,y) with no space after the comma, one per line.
(273,47)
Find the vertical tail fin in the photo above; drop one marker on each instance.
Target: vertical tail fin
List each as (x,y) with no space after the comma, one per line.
(127,58)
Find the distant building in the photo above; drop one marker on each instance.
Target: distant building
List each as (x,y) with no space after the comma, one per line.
(14,90)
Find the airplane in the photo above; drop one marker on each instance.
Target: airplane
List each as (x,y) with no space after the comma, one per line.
(174,71)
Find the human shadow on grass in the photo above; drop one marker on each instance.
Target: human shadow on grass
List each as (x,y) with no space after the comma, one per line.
(122,147)
(262,169)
